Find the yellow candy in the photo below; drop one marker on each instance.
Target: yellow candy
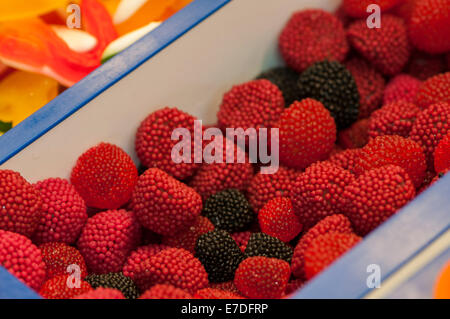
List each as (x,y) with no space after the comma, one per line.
(23,93)
(19,9)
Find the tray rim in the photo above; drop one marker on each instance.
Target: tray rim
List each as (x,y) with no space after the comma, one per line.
(108,74)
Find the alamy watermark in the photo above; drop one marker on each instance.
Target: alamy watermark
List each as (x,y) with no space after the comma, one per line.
(374,19)
(374,279)
(74,279)
(73,20)
(259,143)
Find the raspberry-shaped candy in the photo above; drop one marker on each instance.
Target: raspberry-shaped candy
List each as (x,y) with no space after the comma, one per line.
(20,207)
(219,254)
(101,293)
(347,159)
(149,237)
(325,249)
(286,80)
(137,257)
(334,223)
(318,191)
(262,277)
(402,87)
(163,204)
(165,291)
(229,210)
(255,104)
(264,187)
(225,286)
(217,176)
(307,133)
(59,256)
(115,280)
(107,240)
(293,286)
(277,219)
(211,293)
(404,9)
(356,136)
(429,177)
(63,212)
(104,176)
(358,8)
(154,143)
(430,127)
(310,36)
(442,154)
(330,83)
(370,85)
(336,149)
(175,266)
(22,259)
(375,196)
(396,118)
(63,287)
(261,244)
(423,66)
(187,239)
(241,238)
(342,16)
(395,150)
(387,47)
(429,27)
(435,89)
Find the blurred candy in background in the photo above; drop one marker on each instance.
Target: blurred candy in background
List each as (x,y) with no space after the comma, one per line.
(40,54)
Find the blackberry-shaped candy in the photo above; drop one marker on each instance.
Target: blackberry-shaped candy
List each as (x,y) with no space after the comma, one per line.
(115,280)
(229,210)
(219,254)
(332,84)
(261,244)
(286,80)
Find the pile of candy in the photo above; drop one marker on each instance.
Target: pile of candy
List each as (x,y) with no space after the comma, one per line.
(364,126)
(41,52)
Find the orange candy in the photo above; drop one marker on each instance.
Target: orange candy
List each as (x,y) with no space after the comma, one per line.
(442,287)
(20,9)
(110,5)
(3,70)
(151,11)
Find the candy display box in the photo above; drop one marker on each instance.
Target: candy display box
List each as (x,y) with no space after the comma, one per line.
(189,62)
